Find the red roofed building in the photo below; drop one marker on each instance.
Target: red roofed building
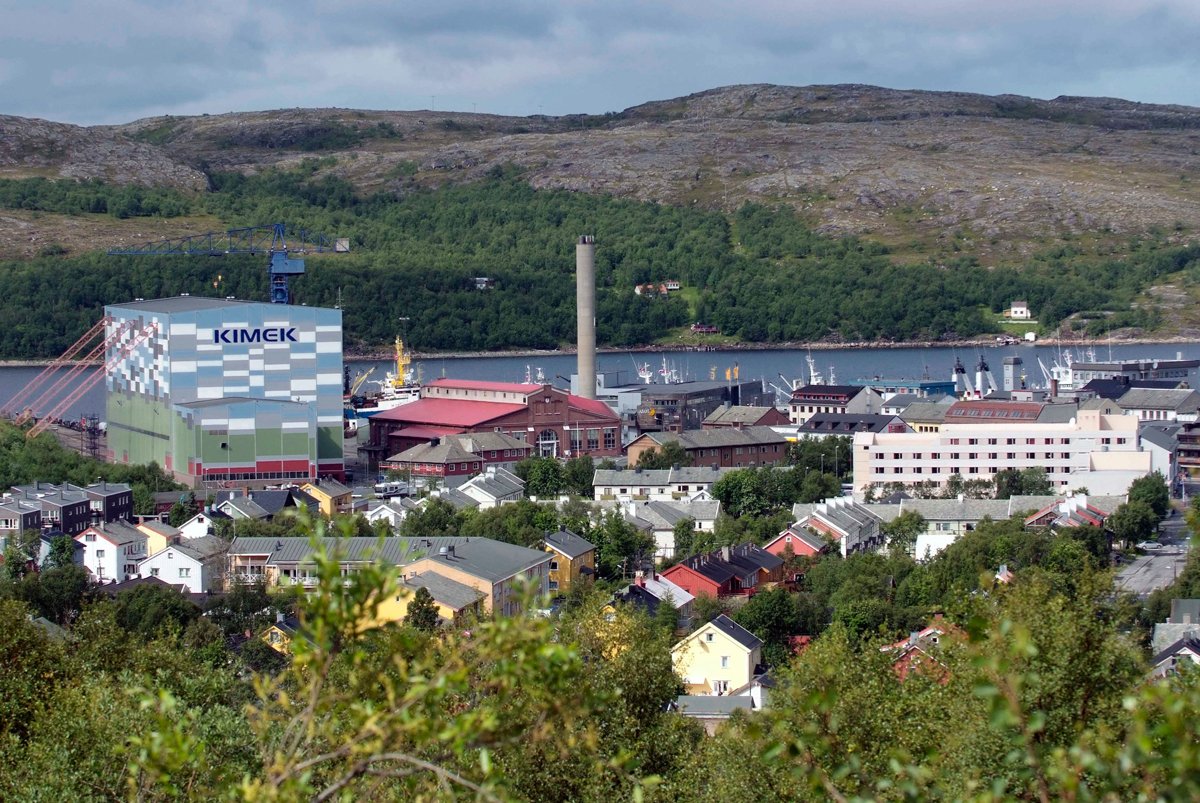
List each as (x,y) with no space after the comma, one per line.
(552,421)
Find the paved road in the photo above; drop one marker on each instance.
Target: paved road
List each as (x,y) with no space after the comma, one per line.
(1158,569)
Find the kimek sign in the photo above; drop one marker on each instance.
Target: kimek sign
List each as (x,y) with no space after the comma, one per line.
(278,334)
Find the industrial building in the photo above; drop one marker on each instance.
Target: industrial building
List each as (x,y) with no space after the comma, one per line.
(225,391)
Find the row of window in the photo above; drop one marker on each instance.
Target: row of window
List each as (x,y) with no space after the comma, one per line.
(957,470)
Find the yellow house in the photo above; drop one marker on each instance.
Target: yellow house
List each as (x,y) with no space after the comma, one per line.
(454,601)
(573,558)
(719,657)
(281,633)
(159,536)
(493,568)
(332,497)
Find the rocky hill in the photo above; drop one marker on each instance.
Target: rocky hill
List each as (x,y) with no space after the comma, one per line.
(926,172)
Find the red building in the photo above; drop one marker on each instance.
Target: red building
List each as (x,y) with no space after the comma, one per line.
(459,456)
(730,571)
(551,421)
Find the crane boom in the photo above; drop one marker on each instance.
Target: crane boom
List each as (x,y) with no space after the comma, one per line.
(276,240)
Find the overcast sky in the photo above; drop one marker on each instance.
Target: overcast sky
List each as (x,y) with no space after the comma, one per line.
(109,61)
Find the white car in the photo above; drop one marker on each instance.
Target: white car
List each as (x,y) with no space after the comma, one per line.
(1149,546)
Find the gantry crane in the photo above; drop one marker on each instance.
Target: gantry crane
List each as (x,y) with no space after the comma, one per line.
(275,240)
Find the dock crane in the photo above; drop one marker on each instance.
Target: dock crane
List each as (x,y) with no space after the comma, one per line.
(278,242)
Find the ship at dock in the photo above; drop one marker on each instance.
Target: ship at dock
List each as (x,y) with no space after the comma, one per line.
(399,386)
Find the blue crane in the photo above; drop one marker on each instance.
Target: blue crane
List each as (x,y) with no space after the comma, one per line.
(275,240)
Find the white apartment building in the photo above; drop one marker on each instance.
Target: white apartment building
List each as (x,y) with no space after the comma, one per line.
(1091,449)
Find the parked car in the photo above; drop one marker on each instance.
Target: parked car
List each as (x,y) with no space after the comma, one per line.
(1149,546)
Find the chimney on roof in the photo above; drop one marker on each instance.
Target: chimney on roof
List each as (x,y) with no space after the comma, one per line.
(279,617)
(639,577)
(726,554)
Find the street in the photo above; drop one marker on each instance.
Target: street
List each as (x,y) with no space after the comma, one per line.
(1159,568)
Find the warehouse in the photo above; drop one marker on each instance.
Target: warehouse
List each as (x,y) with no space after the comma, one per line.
(226,391)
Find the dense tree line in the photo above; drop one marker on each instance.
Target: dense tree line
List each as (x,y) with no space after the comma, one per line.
(761,276)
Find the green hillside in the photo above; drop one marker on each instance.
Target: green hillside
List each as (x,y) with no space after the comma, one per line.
(761,274)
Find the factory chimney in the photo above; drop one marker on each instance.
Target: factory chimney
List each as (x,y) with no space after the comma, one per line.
(585,305)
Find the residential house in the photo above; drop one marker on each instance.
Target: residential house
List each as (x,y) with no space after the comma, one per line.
(112,551)
(650,589)
(1070,511)
(109,501)
(672,484)
(393,510)
(453,459)
(66,510)
(1183,622)
(242,507)
(197,563)
(495,486)
(19,515)
(660,519)
(332,497)
(758,690)
(796,541)
(491,567)
(197,526)
(273,501)
(718,657)
(898,403)
(282,632)
(1185,651)
(739,416)
(919,652)
(573,559)
(808,400)
(159,535)
(729,571)
(710,711)
(455,601)
(725,446)
(1019,311)
(842,521)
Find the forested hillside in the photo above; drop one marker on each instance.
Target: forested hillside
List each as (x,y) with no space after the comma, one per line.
(760,274)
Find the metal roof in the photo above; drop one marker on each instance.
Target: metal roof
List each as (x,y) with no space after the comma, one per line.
(183,304)
(450,593)
(737,414)
(449,412)
(735,631)
(707,705)
(568,543)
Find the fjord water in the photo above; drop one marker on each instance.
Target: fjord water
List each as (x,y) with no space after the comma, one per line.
(848,365)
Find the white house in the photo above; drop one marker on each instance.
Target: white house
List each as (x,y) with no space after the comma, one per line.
(493,487)
(663,485)
(197,526)
(393,510)
(1019,311)
(112,551)
(197,563)
(664,516)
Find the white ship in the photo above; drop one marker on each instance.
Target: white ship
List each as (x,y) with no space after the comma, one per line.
(398,387)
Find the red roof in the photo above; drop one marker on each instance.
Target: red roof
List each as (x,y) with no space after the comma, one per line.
(592,406)
(429,432)
(993,412)
(449,412)
(473,384)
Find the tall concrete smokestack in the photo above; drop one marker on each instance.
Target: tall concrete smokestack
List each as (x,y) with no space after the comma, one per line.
(585,307)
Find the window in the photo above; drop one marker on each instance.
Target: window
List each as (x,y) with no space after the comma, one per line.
(553,585)
(1011,455)
(724,661)
(1030,441)
(610,439)
(991,441)
(720,686)
(973,441)
(99,554)
(708,638)
(973,456)
(1010,441)
(154,572)
(90,537)
(185,571)
(992,455)
(553,565)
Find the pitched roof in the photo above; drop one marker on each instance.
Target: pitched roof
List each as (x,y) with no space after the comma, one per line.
(838,423)
(926,411)
(489,559)
(707,706)
(720,437)
(202,548)
(496,485)
(736,632)
(246,506)
(160,527)
(737,414)
(449,412)
(451,593)
(1186,644)
(825,392)
(444,452)
(118,532)
(568,543)
(1182,400)
(976,410)
(272,500)
(328,486)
